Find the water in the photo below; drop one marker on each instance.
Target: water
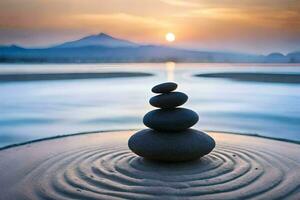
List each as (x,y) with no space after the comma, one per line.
(38,109)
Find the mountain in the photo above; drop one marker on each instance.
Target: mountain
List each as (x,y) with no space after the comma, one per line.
(101,39)
(10,47)
(103,48)
(294,56)
(277,58)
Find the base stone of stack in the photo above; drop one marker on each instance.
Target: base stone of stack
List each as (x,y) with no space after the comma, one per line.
(171,146)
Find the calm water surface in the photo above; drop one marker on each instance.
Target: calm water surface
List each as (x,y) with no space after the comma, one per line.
(37,109)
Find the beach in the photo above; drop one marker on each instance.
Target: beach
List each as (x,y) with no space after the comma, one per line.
(100,166)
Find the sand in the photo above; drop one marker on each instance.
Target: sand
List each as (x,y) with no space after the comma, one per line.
(68,76)
(255,77)
(100,166)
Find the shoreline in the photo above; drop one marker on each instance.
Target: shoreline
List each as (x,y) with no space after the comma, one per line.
(149,61)
(169,61)
(112,131)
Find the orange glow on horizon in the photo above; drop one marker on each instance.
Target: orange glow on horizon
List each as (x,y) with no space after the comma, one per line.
(250,25)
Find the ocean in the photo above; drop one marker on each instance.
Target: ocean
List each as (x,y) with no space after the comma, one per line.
(38,109)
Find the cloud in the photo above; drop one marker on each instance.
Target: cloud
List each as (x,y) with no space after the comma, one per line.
(137,28)
(183,3)
(121,18)
(265,17)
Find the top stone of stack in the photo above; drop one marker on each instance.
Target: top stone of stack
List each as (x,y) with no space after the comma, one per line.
(164,88)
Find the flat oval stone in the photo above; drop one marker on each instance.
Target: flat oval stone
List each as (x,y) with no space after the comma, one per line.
(164,87)
(169,100)
(176,119)
(171,147)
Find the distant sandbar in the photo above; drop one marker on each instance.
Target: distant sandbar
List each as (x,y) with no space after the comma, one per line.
(68,76)
(255,77)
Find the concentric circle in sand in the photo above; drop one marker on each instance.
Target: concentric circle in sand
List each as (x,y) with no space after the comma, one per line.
(112,171)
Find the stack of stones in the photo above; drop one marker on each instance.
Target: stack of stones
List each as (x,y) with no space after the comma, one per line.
(170,138)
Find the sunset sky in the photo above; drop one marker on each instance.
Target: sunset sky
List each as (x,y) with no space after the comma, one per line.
(254,26)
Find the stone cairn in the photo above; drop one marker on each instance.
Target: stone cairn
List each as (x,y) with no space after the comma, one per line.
(170,138)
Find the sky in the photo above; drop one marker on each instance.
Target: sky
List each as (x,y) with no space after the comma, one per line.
(248,26)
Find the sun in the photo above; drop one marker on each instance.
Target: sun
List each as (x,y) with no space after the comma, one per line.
(170,37)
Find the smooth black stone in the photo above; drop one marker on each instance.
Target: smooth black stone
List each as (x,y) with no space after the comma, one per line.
(169,100)
(171,147)
(164,87)
(176,119)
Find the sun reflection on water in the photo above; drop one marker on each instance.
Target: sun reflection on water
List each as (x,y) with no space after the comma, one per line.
(170,67)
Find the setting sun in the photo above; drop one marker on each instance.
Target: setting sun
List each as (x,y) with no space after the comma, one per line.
(170,37)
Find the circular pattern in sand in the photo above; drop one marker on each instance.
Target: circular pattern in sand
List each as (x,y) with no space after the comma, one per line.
(116,173)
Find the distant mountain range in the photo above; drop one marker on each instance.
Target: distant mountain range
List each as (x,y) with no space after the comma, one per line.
(105,48)
(101,39)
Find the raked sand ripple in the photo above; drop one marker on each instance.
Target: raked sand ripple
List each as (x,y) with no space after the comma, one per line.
(231,171)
